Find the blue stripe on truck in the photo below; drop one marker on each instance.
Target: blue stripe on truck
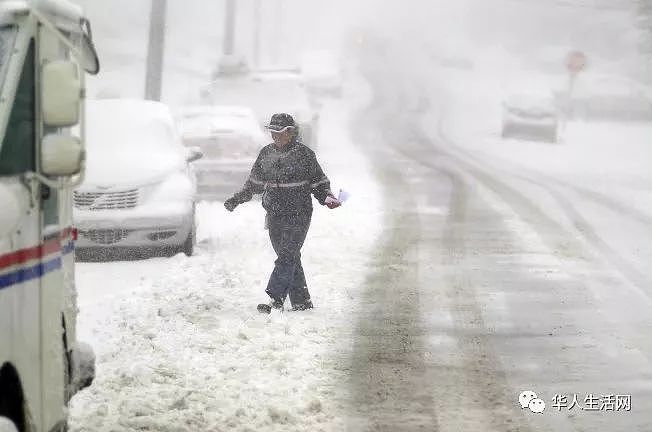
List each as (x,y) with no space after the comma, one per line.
(29,273)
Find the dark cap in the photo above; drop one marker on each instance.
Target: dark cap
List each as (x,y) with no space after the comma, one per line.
(281,122)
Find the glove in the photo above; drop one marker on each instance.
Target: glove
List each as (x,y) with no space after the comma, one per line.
(230,204)
(332,202)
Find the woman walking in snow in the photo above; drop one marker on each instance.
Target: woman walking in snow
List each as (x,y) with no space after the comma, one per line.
(286,172)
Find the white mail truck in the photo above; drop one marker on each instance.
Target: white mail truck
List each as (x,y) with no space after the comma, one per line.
(45,51)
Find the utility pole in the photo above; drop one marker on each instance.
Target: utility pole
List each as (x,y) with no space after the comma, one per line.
(155,49)
(644,13)
(229,28)
(257,30)
(279,24)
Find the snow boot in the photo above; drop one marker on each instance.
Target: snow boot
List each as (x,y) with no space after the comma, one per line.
(267,307)
(303,306)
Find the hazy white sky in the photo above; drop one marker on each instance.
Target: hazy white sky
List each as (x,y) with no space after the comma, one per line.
(520,28)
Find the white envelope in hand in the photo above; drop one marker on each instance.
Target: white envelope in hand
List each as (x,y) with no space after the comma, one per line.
(343,196)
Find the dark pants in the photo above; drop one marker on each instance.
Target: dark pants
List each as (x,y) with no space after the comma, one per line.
(287,233)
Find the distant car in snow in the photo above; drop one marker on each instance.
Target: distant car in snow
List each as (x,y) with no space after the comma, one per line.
(607,98)
(139,190)
(322,74)
(268,92)
(530,116)
(230,138)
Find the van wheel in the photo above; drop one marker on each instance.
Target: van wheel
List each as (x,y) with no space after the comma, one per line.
(188,246)
(12,398)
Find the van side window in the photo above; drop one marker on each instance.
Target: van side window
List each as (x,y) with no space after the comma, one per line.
(17,154)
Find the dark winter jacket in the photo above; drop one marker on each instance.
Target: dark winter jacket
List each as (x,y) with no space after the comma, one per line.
(286,178)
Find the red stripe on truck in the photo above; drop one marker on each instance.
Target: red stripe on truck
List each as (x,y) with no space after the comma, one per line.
(46,248)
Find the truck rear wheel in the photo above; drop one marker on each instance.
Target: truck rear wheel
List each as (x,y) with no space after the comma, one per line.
(7,425)
(12,399)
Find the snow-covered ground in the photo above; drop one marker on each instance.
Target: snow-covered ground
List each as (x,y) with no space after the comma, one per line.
(180,345)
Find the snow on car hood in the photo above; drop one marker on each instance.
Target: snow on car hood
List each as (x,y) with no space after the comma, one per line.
(130,143)
(117,169)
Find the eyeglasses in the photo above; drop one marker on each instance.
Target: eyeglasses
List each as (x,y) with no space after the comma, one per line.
(280,131)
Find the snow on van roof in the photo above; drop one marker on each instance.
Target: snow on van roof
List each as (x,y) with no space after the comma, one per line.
(62,9)
(13,6)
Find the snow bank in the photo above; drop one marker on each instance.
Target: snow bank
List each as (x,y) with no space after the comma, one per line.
(184,349)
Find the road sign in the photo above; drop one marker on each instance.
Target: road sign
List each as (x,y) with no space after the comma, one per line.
(576,61)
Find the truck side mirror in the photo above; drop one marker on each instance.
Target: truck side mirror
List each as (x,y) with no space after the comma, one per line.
(61,94)
(61,155)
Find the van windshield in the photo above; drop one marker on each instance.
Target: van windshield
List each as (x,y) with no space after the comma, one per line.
(7,40)
(17,150)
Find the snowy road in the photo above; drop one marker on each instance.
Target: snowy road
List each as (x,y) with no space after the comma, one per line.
(452,281)
(489,297)
(490,281)
(515,303)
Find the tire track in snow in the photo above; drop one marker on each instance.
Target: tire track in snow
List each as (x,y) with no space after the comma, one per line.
(463,387)
(595,344)
(484,380)
(584,228)
(476,377)
(528,208)
(471,387)
(592,195)
(607,202)
(391,385)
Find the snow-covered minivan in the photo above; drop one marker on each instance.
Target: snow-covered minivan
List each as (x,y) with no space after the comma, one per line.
(139,190)
(45,48)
